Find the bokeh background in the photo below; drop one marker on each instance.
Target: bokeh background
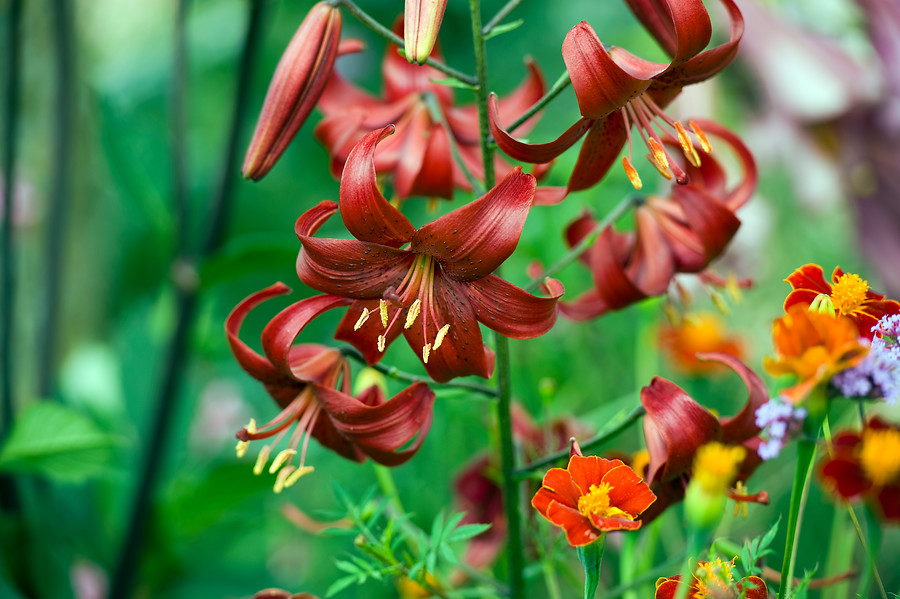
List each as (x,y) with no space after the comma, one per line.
(103,258)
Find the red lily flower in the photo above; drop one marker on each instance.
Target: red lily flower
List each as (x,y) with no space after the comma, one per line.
(592,496)
(847,293)
(311,383)
(715,581)
(867,465)
(616,90)
(680,234)
(437,289)
(419,155)
(676,426)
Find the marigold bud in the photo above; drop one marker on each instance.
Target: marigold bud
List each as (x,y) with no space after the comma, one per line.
(421,22)
(299,80)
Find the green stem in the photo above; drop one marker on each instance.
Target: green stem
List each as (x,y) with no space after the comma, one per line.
(437,115)
(395,39)
(551,580)
(840,555)
(870,555)
(501,14)
(589,239)
(687,570)
(806,452)
(591,556)
(561,83)
(481,94)
(399,375)
(600,439)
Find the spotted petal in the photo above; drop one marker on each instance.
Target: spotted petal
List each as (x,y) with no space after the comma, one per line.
(681,27)
(510,311)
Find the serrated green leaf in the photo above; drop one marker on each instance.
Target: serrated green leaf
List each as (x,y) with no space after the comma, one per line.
(466,531)
(454,82)
(57,442)
(505,28)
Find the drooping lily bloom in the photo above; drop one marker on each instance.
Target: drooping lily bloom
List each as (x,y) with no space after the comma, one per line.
(617,90)
(418,157)
(299,80)
(592,496)
(676,427)
(679,234)
(813,347)
(847,294)
(311,385)
(866,466)
(713,580)
(435,290)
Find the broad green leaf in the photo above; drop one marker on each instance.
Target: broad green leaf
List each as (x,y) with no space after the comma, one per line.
(57,442)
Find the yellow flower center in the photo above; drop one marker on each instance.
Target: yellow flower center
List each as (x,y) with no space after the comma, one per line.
(714,580)
(716,465)
(596,503)
(880,455)
(849,293)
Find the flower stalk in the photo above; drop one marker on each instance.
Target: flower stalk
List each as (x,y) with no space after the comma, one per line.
(806,452)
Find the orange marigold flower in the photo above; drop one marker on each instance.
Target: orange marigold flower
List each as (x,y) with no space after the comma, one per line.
(698,333)
(713,580)
(814,347)
(592,496)
(847,294)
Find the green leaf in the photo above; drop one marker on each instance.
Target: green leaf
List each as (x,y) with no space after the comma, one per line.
(466,531)
(57,442)
(505,28)
(454,82)
(339,585)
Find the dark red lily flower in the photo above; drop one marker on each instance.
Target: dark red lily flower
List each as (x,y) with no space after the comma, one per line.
(676,426)
(436,289)
(713,580)
(617,90)
(680,234)
(847,295)
(311,383)
(867,465)
(418,157)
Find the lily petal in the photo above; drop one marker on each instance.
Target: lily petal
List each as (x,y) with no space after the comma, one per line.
(510,311)
(742,426)
(533,153)
(599,151)
(681,27)
(254,364)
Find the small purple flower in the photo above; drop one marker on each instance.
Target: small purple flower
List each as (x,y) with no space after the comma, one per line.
(777,420)
(878,375)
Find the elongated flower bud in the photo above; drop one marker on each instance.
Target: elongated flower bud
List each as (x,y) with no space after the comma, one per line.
(421,22)
(299,80)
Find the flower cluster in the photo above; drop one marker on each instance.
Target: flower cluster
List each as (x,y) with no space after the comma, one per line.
(878,375)
(777,419)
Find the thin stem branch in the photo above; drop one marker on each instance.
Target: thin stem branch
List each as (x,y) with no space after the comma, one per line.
(437,115)
(589,239)
(870,558)
(186,305)
(395,39)
(601,438)
(399,375)
(498,18)
(561,83)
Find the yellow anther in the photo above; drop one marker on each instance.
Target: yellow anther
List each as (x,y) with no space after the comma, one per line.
(412,313)
(381,342)
(382,308)
(733,289)
(362,319)
(261,460)
(740,507)
(633,175)
(282,457)
(719,302)
(282,477)
(686,145)
(296,475)
(693,157)
(241,448)
(664,172)
(822,304)
(426,351)
(701,137)
(659,154)
(251,426)
(439,338)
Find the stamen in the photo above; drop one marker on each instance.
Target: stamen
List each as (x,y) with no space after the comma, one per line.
(282,457)
(241,448)
(426,351)
(664,172)
(701,137)
(413,313)
(659,154)
(632,173)
(382,308)
(362,320)
(261,460)
(439,338)
(294,476)
(281,479)
(686,145)
(381,342)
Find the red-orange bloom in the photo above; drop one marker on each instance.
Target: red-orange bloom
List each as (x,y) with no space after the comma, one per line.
(698,333)
(592,496)
(847,293)
(713,580)
(813,347)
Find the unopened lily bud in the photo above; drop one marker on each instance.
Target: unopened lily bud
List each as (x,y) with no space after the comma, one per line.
(421,22)
(295,88)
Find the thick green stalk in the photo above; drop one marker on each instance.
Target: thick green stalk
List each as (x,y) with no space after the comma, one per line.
(591,556)
(806,451)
